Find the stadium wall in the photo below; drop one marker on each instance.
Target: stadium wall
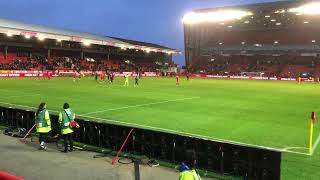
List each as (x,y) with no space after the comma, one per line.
(211,155)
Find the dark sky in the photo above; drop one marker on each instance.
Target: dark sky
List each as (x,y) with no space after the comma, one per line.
(157,21)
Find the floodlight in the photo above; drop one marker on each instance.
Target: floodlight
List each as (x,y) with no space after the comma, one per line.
(27,36)
(311,8)
(280,11)
(215,16)
(41,38)
(147,50)
(9,34)
(86,43)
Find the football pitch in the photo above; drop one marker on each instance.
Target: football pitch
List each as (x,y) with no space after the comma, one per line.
(268,114)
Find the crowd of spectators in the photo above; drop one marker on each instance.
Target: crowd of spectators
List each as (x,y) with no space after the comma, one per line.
(19,65)
(39,62)
(268,68)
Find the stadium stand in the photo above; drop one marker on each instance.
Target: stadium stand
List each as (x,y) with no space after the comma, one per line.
(272,38)
(40,62)
(34,47)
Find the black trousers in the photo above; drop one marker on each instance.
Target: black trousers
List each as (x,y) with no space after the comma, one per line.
(67,138)
(42,137)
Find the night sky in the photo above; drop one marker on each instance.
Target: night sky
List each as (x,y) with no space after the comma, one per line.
(156,21)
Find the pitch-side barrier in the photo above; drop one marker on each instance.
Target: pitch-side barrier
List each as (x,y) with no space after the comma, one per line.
(217,156)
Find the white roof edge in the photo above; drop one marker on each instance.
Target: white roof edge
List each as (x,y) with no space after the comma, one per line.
(26,29)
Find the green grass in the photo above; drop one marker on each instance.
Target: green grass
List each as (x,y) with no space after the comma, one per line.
(266,113)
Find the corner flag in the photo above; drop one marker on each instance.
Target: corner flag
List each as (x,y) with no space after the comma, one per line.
(313,120)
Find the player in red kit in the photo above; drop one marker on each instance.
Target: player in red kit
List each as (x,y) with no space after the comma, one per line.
(49,75)
(44,75)
(79,75)
(101,76)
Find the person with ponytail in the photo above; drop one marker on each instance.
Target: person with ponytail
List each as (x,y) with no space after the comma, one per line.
(43,123)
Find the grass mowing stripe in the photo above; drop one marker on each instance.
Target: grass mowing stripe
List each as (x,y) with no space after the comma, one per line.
(139,105)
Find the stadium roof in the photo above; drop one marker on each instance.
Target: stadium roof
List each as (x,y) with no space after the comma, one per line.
(41,32)
(275,23)
(234,13)
(141,43)
(258,6)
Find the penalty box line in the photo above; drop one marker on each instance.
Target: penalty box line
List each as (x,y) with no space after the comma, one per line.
(139,105)
(178,132)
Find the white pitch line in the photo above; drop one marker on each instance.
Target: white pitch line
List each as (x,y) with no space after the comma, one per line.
(31,107)
(139,105)
(296,152)
(17,105)
(181,133)
(27,95)
(195,135)
(287,148)
(315,145)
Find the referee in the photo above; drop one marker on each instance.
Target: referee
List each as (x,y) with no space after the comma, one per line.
(136,79)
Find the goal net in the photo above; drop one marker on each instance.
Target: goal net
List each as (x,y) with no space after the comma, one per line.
(252,74)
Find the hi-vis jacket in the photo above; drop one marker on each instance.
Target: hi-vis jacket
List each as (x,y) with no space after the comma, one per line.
(65,118)
(43,122)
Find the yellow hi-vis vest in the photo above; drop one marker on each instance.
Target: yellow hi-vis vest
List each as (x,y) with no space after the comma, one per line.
(189,175)
(43,122)
(65,122)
